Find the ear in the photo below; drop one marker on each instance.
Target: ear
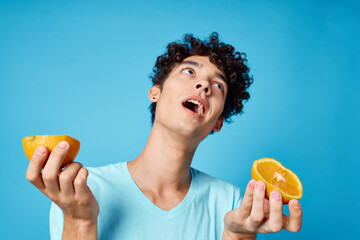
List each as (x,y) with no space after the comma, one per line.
(218,124)
(154,93)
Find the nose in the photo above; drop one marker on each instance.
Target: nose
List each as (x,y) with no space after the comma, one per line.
(203,85)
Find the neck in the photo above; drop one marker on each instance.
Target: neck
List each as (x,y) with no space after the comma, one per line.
(164,164)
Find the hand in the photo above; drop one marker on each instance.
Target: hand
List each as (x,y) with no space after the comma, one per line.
(257,214)
(66,188)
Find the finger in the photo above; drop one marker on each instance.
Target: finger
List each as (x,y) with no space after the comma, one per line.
(246,203)
(293,223)
(275,222)
(266,207)
(66,178)
(80,183)
(52,167)
(33,173)
(257,211)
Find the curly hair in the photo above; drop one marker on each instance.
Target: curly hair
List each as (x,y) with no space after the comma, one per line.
(232,63)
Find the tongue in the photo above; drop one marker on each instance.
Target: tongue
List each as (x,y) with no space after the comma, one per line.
(193,107)
(196,107)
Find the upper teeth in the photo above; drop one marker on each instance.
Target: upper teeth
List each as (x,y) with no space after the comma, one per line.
(201,107)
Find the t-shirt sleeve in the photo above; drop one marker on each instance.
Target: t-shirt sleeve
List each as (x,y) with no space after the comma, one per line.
(237,198)
(56,222)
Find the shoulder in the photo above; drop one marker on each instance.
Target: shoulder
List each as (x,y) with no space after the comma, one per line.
(216,189)
(206,180)
(104,179)
(104,173)
(107,169)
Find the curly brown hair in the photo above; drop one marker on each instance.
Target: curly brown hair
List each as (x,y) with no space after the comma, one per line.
(232,63)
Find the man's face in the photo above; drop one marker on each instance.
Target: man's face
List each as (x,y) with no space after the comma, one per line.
(192,98)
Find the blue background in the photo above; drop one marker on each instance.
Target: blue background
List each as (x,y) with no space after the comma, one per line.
(82,68)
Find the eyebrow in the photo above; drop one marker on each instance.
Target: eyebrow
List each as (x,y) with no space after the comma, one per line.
(199,65)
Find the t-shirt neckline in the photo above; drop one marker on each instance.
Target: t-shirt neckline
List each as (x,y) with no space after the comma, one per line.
(155,209)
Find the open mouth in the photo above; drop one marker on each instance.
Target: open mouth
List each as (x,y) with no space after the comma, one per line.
(194,106)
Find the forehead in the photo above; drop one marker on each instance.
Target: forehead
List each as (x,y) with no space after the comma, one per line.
(203,60)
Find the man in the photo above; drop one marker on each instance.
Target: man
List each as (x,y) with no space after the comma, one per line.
(197,85)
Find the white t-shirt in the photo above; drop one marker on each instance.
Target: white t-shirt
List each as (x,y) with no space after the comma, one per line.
(126,213)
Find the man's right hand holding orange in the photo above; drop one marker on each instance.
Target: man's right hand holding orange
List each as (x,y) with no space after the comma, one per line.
(67,189)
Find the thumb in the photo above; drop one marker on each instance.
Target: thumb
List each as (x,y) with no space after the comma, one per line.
(230,218)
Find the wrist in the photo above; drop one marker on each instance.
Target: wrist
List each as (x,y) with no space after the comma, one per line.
(75,228)
(79,222)
(228,235)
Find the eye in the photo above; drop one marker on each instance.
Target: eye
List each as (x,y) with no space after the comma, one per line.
(219,85)
(188,71)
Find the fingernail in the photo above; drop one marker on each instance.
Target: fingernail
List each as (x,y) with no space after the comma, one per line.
(275,195)
(40,150)
(63,144)
(260,186)
(252,184)
(295,204)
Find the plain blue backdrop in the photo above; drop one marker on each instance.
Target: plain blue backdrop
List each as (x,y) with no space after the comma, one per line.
(82,68)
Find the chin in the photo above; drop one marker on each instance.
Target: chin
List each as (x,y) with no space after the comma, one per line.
(185,127)
(191,131)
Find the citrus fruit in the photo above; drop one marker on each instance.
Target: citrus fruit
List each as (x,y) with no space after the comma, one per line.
(31,143)
(277,177)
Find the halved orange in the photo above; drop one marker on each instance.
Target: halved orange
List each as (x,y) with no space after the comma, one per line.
(277,177)
(31,143)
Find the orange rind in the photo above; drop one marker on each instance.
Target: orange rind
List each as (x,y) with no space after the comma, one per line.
(31,143)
